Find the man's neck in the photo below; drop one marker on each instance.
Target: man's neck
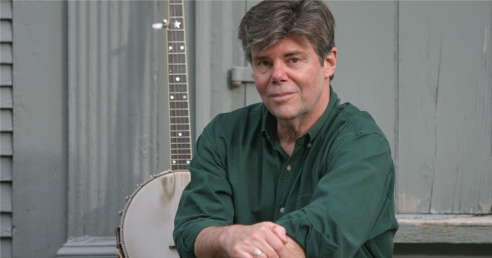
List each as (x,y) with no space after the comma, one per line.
(289,131)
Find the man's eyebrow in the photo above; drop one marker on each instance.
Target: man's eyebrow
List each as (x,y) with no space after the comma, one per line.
(293,53)
(260,58)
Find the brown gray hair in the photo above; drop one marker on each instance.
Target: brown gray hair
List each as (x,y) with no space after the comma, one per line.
(271,21)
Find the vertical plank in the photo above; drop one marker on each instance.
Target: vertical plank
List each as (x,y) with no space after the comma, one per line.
(40,128)
(217,51)
(113,111)
(366,74)
(445,119)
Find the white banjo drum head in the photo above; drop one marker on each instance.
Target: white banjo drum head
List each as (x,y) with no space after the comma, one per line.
(148,220)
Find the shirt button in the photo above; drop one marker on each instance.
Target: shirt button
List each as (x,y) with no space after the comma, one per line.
(282,210)
(309,145)
(288,167)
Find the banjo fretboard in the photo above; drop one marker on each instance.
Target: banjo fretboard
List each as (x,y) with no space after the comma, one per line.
(179,108)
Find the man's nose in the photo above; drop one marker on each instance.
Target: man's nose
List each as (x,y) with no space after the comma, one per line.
(278,73)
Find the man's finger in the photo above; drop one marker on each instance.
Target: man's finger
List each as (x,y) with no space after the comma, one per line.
(280,232)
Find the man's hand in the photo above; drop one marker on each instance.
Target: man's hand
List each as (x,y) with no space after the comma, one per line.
(243,241)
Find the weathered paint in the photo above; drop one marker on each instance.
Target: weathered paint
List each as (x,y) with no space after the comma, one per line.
(6,97)
(218,50)
(416,228)
(5,53)
(6,143)
(6,29)
(445,108)
(5,120)
(40,124)
(5,75)
(6,196)
(6,9)
(6,168)
(112,109)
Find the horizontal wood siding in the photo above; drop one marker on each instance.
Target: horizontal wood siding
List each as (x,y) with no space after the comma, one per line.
(6,150)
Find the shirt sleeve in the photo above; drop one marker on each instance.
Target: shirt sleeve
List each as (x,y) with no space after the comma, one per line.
(352,195)
(206,201)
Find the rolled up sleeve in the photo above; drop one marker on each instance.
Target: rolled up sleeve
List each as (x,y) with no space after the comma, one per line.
(206,201)
(349,200)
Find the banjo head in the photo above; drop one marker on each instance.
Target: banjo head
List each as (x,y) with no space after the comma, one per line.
(147,223)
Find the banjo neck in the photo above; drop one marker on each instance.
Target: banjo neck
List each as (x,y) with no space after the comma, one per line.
(179,108)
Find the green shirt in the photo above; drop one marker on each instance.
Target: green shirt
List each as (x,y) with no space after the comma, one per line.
(333,195)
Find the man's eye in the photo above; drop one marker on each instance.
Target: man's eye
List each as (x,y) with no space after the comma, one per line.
(263,63)
(294,60)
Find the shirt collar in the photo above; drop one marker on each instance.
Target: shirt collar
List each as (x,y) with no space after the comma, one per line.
(269,122)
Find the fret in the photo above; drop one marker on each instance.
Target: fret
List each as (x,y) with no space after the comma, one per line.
(181,157)
(177,78)
(180,113)
(179,137)
(177,68)
(179,167)
(183,151)
(178,104)
(176,11)
(178,58)
(174,48)
(180,140)
(180,146)
(180,127)
(175,35)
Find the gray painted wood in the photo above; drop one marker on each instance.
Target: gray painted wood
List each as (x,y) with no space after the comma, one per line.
(366,73)
(40,124)
(430,228)
(5,120)
(5,53)
(5,143)
(5,225)
(5,75)
(113,109)
(6,9)
(5,97)
(6,168)
(6,196)
(217,51)
(442,250)
(445,109)
(6,247)
(89,247)
(5,31)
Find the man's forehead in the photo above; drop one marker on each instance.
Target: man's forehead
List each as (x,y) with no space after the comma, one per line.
(291,45)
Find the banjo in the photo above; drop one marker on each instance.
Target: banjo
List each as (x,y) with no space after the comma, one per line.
(147,222)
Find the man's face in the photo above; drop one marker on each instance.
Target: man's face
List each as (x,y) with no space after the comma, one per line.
(290,79)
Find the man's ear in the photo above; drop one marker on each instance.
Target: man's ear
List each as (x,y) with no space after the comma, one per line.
(330,62)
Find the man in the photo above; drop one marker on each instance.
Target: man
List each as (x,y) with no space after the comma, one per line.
(298,175)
